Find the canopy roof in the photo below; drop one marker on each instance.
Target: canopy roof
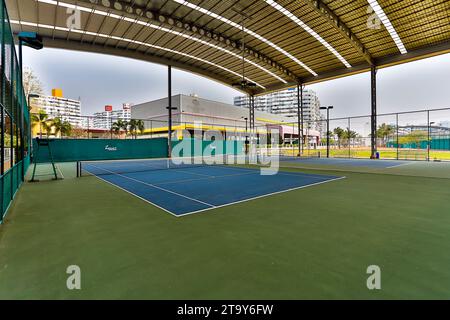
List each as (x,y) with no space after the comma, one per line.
(286,41)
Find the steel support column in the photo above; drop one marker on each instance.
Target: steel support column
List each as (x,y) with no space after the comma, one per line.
(428,135)
(21,113)
(252,113)
(302,122)
(373,94)
(299,121)
(328,133)
(169,97)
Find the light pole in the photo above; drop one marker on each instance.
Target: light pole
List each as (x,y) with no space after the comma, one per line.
(246,124)
(31,96)
(429,139)
(328,128)
(246,134)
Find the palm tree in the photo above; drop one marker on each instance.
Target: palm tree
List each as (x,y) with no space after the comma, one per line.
(136,125)
(41,119)
(385,131)
(120,125)
(349,134)
(57,125)
(133,127)
(66,129)
(339,132)
(141,126)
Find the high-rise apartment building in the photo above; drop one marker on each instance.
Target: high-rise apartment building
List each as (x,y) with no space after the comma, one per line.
(105,119)
(284,103)
(58,106)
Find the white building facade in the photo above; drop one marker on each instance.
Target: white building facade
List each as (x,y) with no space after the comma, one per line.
(193,113)
(284,103)
(63,108)
(105,119)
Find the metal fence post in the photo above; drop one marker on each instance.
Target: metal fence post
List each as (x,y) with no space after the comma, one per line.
(2,132)
(13,120)
(428,135)
(398,142)
(2,79)
(349,139)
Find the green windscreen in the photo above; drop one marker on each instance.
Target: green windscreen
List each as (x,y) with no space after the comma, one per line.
(70,150)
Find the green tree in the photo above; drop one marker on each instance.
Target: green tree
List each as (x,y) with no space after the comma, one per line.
(348,135)
(135,126)
(119,125)
(385,131)
(66,129)
(339,132)
(414,138)
(40,119)
(56,125)
(31,83)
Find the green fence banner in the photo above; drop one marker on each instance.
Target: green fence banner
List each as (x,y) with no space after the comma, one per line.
(71,150)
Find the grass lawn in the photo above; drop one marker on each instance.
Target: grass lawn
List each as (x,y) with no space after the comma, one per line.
(385,153)
(309,243)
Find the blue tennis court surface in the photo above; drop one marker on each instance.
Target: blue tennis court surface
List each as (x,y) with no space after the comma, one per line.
(190,190)
(345,162)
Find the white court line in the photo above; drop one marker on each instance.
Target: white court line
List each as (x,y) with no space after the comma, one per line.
(206,178)
(399,165)
(261,196)
(249,171)
(211,206)
(133,194)
(195,174)
(154,186)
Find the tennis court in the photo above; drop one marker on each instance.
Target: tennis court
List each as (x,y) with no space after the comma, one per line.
(191,188)
(348,162)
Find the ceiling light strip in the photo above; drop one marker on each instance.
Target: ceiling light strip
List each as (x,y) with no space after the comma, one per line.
(44,26)
(305,27)
(150,25)
(387,23)
(250,32)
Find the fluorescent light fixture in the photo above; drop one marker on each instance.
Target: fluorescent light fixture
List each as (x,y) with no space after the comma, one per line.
(250,32)
(389,27)
(305,27)
(106,36)
(154,26)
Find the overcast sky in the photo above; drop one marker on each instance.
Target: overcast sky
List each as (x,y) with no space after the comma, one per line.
(101,80)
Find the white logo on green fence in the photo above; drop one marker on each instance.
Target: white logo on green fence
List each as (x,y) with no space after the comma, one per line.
(74,280)
(110,148)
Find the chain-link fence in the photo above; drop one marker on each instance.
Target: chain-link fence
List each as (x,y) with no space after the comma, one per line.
(15,118)
(415,135)
(418,135)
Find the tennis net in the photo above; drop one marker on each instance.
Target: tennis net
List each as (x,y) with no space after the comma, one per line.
(110,167)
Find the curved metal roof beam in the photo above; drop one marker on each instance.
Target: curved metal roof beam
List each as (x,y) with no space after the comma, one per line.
(158,27)
(106,36)
(341,27)
(248,31)
(305,27)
